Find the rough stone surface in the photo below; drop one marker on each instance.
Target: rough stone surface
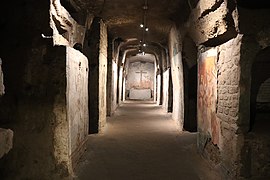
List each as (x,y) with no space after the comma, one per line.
(159,91)
(155,82)
(120,87)
(110,79)
(228,80)
(77,101)
(228,104)
(42,114)
(66,31)
(177,77)
(6,141)
(34,106)
(123,17)
(114,86)
(97,55)
(207,6)
(115,74)
(165,90)
(229,142)
(234,150)
(102,74)
(211,22)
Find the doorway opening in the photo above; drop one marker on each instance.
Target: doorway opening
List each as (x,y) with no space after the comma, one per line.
(260,93)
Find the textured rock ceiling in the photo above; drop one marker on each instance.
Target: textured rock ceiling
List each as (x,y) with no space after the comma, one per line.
(123,17)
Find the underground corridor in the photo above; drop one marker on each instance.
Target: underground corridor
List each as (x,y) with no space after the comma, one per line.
(135,89)
(142,142)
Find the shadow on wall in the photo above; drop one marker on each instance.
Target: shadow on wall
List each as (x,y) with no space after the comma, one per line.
(190,123)
(170,93)
(260,90)
(190,84)
(258,138)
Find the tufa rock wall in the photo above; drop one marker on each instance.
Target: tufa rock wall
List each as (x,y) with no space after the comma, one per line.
(175,48)
(213,22)
(97,55)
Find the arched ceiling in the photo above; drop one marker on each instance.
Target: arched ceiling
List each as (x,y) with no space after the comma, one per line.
(123,17)
(133,46)
(146,58)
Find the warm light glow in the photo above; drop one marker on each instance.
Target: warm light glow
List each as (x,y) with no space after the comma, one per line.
(141,25)
(144,44)
(143,53)
(146,29)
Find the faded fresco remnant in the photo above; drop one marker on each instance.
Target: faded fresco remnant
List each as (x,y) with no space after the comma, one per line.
(207,94)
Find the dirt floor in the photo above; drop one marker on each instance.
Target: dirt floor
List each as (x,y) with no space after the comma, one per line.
(141,142)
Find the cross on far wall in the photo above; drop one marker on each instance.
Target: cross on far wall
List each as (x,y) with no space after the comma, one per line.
(141,73)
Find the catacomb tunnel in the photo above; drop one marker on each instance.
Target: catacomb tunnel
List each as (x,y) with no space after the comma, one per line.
(135,89)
